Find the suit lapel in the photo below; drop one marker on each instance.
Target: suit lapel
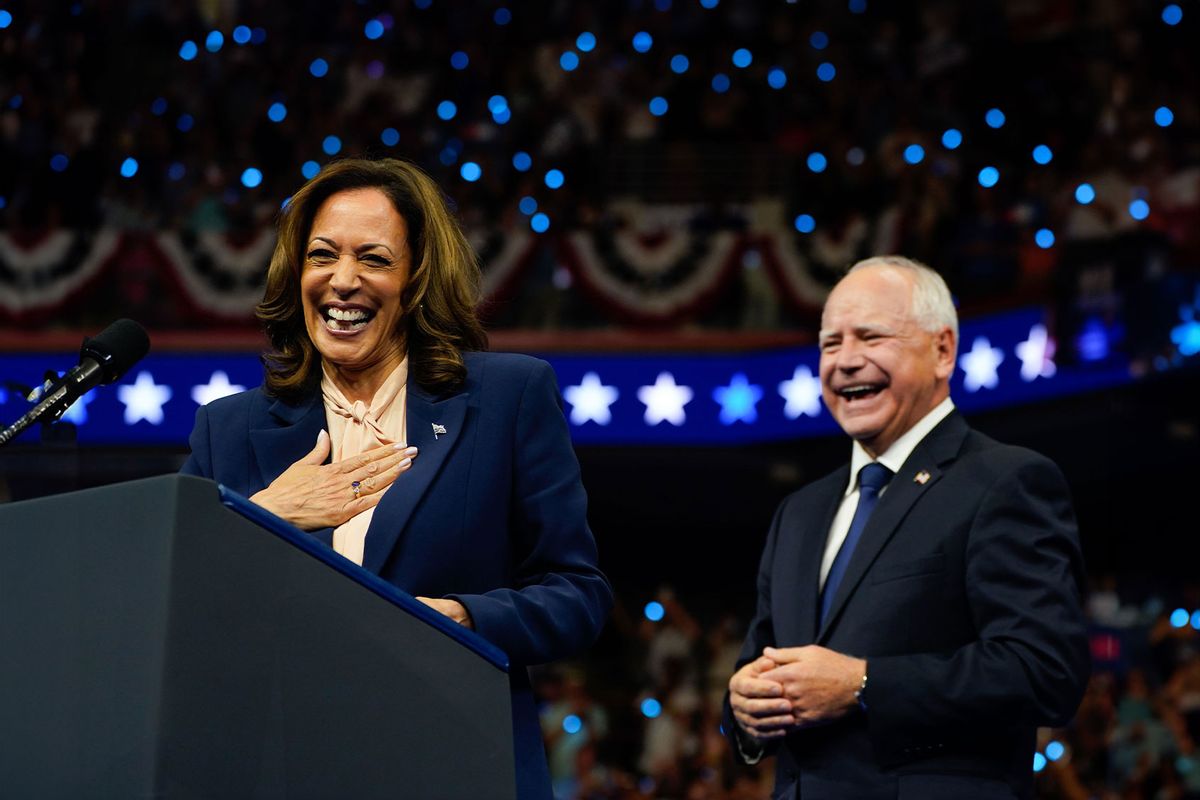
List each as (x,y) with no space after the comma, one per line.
(812,550)
(939,447)
(289,432)
(434,427)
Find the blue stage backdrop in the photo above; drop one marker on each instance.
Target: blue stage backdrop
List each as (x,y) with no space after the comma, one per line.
(1003,360)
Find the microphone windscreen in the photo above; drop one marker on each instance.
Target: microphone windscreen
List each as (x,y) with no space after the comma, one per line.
(117,348)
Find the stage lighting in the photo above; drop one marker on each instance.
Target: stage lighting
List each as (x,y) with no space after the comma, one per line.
(586,42)
(817,162)
(310,169)
(521,161)
(826,72)
(460,60)
(642,42)
(658,106)
(914,154)
(1042,154)
(188,50)
(539,222)
(995,118)
(742,58)
(679,64)
(332,145)
(319,68)
(470,171)
(777,78)
(720,83)
(805,223)
(1084,194)
(819,40)
(129,167)
(554,178)
(988,176)
(952,138)
(390,137)
(569,61)
(277,112)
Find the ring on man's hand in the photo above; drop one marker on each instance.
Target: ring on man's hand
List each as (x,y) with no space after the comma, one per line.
(356,487)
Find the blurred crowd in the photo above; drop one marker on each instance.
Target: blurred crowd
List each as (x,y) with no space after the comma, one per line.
(640,718)
(104,122)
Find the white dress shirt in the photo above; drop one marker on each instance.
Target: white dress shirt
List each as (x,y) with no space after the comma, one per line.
(893,458)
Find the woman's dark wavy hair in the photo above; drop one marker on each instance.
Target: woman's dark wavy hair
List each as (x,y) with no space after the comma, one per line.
(439,321)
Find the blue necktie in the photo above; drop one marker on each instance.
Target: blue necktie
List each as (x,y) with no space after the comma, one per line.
(871,479)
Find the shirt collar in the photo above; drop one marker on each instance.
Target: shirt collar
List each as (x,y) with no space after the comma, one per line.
(894,457)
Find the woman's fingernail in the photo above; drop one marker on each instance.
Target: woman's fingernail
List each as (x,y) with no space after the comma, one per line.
(405,462)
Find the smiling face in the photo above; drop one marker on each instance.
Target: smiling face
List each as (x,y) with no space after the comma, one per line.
(881,372)
(356,266)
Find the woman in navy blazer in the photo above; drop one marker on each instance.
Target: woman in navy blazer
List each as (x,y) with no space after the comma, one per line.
(481,513)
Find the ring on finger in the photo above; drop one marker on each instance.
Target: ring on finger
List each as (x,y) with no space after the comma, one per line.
(356,487)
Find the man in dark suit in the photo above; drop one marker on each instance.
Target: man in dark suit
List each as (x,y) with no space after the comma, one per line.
(918,611)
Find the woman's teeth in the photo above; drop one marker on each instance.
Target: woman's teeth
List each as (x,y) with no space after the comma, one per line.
(351,319)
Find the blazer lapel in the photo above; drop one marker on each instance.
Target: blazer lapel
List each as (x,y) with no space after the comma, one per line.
(940,446)
(812,550)
(434,426)
(289,432)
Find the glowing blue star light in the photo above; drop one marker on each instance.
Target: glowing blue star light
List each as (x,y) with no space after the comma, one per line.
(738,400)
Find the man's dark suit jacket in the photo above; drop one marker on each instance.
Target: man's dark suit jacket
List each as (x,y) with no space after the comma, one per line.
(962,594)
(492,513)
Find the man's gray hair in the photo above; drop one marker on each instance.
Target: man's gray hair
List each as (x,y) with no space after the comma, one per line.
(932,305)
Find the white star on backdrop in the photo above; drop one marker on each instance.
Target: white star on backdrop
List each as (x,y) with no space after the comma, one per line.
(980,365)
(218,386)
(665,400)
(144,399)
(590,400)
(802,393)
(77,413)
(1037,354)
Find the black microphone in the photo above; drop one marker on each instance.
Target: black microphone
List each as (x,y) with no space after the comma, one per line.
(103,359)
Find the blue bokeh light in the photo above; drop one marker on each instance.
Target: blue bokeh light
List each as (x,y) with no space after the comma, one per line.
(572,724)
(277,112)
(1044,238)
(252,177)
(497,103)
(720,83)
(642,41)
(1039,762)
(446,110)
(651,708)
(176,171)
(952,139)
(1042,154)
(679,63)
(373,29)
(554,178)
(658,106)
(470,171)
(214,41)
(709,4)
(914,154)
(857,6)
(502,16)
(527,205)
(59,162)
(817,162)
(448,156)
(242,34)
(1163,116)
(6,18)
(188,50)
(826,72)
(742,58)
(539,222)
(586,42)
(1055,750)
(1196,619)
(332,145)
(1084,194)
(569,61)
(185,123)
(1093,340)
(1179,618)
(855,156)
(258,36)
(777,78)
(459,60)
(1172,14)
(995,118)
(129,167)
(319,68)
(1139,209)
(522,161)
(654,611)
(390,137)
(988,177)
(805,223)
(819,40)
(159,106)
(310,169)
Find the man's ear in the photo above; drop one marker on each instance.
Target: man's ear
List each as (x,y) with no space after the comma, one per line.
(945,347)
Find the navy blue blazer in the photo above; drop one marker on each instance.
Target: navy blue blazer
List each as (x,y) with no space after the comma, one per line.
(963,594)
(492,512)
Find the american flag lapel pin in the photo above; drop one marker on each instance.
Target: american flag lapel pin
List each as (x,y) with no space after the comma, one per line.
(921,477)
(438,430)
